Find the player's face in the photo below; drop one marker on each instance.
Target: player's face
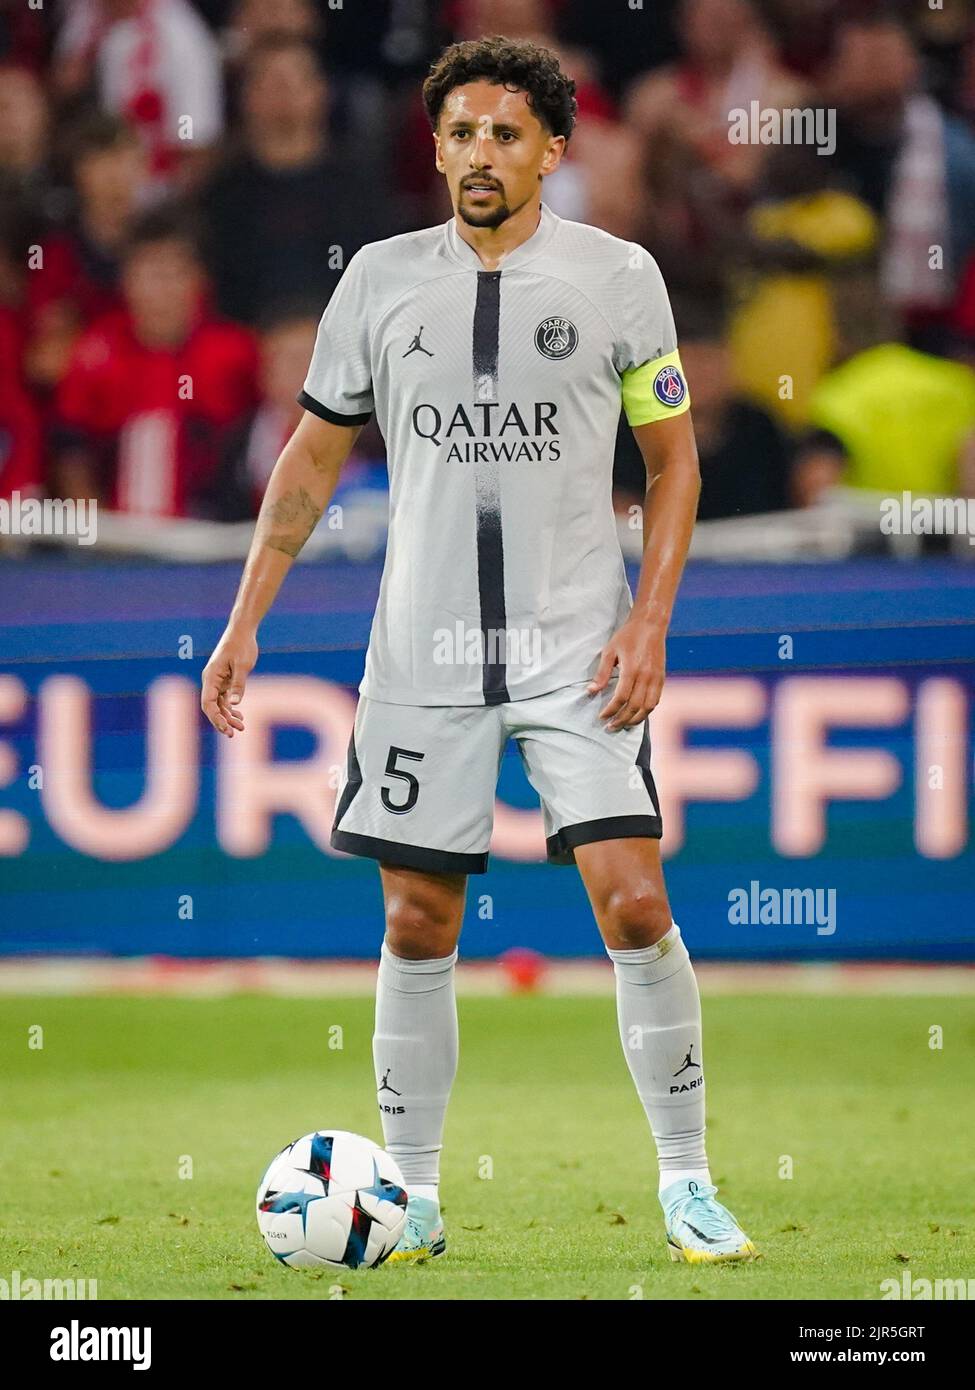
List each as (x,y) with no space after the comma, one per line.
(494,152)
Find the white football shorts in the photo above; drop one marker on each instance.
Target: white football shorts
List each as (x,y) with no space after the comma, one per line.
(420,780)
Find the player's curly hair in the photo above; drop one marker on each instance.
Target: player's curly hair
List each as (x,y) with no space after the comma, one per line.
(513,63)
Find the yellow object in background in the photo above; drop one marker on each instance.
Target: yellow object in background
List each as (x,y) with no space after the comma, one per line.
(786,327)
(782,341)
(901,415)
(832,224)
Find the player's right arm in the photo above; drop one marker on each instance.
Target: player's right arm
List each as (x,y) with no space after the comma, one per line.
(298,491)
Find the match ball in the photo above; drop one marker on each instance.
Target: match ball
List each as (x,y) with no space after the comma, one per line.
(331,1199)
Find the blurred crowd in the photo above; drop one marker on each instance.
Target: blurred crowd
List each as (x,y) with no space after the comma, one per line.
(182,184)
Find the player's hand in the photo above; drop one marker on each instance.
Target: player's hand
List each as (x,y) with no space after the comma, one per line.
(641,650)
(224,676)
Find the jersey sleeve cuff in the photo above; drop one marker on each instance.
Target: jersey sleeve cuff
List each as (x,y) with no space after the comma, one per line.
(332,416)
(656,390)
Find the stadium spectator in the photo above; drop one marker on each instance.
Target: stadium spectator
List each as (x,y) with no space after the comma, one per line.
(682,115)
(641,39)
(153,388)
(24,126)
(77,277)
(797,252)
(600,179)
(534,21)
(16,238)
(287,213)
(890,419)
(21,456)
(287,337)
(24,34)
(963,318)
(913,163)
(965,96)
(803,30)
(943,34)
(745,456)
(249,24)
(156,63)
(253,21)
(21,466)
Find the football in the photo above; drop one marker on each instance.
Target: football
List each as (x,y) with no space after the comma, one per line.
(331,1199)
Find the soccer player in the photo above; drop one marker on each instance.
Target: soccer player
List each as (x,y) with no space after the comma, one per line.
(496,350)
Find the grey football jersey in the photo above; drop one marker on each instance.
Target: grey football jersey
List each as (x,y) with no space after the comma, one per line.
(498,394)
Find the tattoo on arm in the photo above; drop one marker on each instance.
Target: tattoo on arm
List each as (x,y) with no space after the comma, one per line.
(288,522)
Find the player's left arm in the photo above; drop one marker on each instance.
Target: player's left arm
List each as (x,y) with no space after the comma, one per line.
(670,506)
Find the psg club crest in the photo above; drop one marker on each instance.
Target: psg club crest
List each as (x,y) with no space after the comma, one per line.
(556,338)
(668,386)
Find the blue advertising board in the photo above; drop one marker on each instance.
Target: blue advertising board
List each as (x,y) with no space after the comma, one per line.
(813,746)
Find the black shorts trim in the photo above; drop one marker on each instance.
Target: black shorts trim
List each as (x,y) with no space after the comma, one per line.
(562,845)
(435,861)
(332,416)
(353,782)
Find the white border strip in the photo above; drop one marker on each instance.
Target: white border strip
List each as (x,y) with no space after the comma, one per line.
(526,973)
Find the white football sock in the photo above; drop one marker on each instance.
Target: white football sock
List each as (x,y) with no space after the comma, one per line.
(415,1047)
(659,1011)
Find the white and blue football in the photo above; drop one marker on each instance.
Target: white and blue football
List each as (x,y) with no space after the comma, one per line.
(331,1199)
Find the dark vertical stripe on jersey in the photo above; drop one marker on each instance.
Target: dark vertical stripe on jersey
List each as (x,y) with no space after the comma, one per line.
(487,485)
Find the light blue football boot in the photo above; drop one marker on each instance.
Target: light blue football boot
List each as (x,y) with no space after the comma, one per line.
(423,1237)
(699,1229)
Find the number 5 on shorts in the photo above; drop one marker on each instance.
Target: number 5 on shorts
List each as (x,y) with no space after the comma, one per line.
(413,785)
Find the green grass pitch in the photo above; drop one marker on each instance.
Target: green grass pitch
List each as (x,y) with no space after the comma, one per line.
(878,1127)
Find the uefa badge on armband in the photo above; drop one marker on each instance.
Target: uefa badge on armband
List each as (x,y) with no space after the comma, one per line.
(668,386)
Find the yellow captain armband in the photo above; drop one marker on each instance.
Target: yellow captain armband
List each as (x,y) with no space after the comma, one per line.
(656,390)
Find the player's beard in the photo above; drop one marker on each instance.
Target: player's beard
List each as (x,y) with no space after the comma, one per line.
(486,217)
